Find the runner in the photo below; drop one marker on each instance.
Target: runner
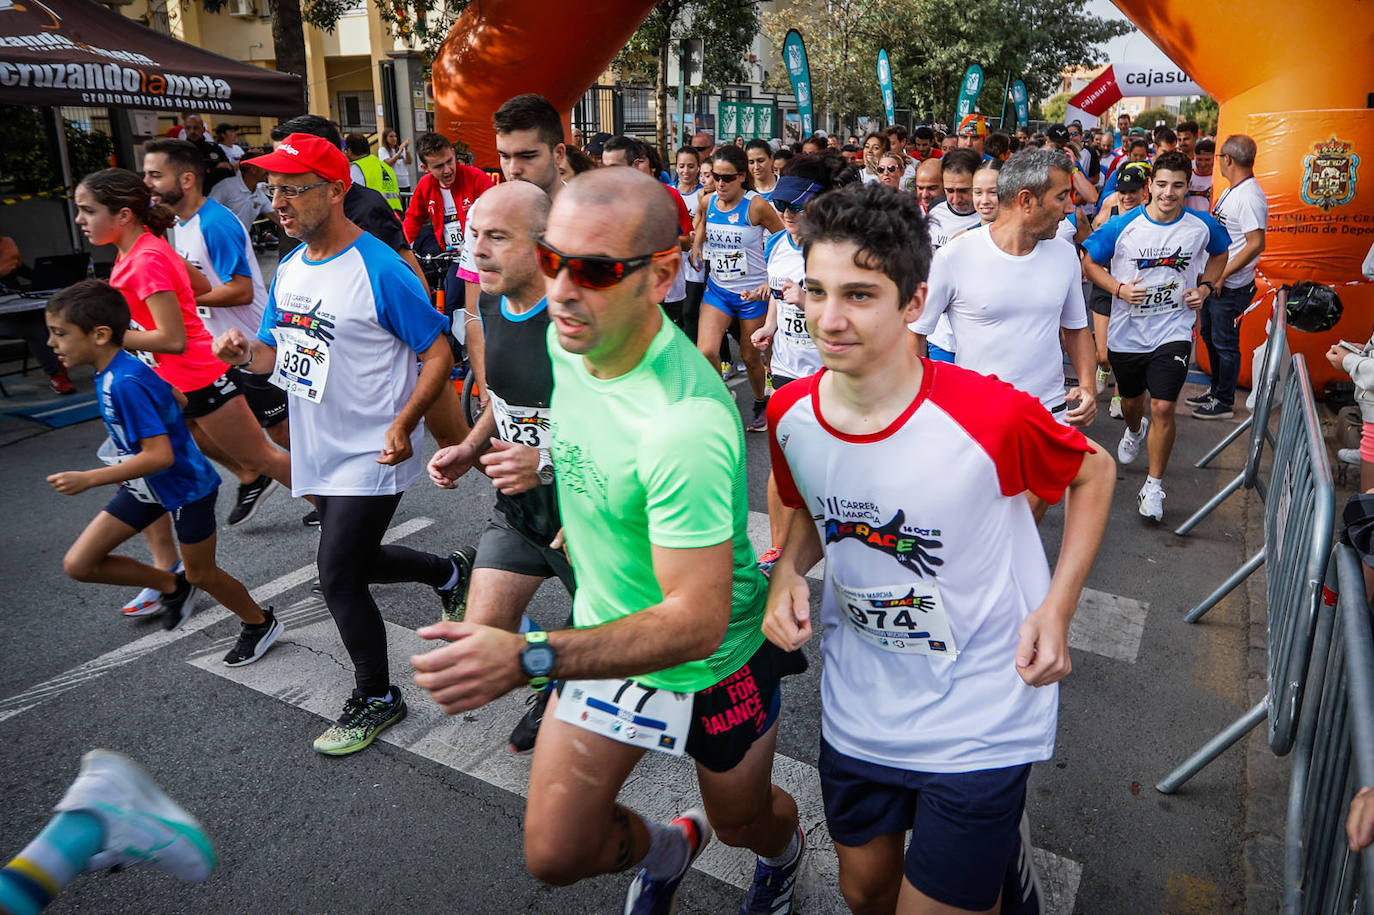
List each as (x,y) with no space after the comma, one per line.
(213,241)
(689,187)
(793,352)
(949,217)
(157,468)
(1200,187)
(914,473)
(1130,193)
(874,147)
(890,169)
(984,193)
(760,157)
(344,325)
(929,188)
(1158,283)
(656,521)
(731,237)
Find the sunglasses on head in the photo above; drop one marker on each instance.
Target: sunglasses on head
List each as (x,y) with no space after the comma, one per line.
(593,271)
(726,177)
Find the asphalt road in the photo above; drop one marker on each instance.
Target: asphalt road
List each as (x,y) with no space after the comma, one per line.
(427,823)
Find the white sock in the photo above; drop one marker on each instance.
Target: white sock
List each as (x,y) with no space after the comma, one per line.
(787,855)
(1154,482)
(668,851)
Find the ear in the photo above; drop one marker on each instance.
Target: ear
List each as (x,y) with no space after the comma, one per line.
(912,310)
(663,272)
(560,153)
(102,334)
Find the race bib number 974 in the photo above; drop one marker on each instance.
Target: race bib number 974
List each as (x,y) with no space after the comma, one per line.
(906,619)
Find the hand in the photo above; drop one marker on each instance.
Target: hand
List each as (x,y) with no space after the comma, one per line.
(1336,356)
(1133,293)
(70,482)
(1042,656)
(448,464)
(1359,829)
(405,144)
(758,294)
(1194,298)
(694,258)
(559,540)
(232,347)
(395,446)
(792,294)
(479,664)
(787,615)
(1086,411)
(763,337)
(513,468)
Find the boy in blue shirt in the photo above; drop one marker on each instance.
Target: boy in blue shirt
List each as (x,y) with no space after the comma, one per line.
(159,469)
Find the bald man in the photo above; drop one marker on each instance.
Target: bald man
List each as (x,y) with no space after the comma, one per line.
(929,188)
(666,652)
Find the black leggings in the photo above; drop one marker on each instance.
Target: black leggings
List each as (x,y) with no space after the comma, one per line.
(691,308)
(351,557)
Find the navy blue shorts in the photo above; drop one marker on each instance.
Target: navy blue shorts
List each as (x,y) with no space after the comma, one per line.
(964,825)
(194,521)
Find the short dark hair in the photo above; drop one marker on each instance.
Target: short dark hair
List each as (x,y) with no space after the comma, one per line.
(997,144)
(312,124)
(632,148)
(1137,141)
(923,133)
(1174,161)
(959,160)
(90,304)
(888,229)
(530,112)
(849,148)
(784,153)
(1187,127)
(431,144)
(357,144)
(1204,146)
(756,143)
(690,150)
(182,155)
(816,169)
(223,128)
(1165,135)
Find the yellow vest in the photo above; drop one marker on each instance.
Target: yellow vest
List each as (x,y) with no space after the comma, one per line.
(380,177)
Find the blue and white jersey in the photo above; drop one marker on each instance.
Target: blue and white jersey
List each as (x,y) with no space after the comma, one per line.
(347,330)
(794,352)
(217,245)
(734,247)
(136,404)
(1167,258)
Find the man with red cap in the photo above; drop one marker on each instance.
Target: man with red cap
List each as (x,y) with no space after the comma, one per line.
(345,322)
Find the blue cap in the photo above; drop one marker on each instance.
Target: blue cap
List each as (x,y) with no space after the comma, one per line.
(794,190)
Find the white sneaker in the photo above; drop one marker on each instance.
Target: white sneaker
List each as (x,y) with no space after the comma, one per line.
(1349,456)
(1130,443)
(148,601)
(142,824)
(1151,501)
(1114,409)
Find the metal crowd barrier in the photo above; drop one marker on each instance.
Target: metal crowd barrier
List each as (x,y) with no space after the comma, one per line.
(1265,386)
(1299,517)
(1335,757)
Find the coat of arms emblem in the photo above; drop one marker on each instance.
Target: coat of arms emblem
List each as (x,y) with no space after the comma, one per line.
(1329,175)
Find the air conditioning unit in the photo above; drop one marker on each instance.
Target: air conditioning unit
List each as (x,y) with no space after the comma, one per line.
(242,9)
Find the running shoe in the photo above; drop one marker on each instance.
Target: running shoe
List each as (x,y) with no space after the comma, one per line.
(254,640)
(148,601)
(360,723)
(771,891)
(250,497)
(1021,890)
(727,371)
(455,599)
(527,728)
(650,896)
(1348,456)
(1150,501)
(312,518)
(1102,377)
(59,383)
(1131,441)
(142,824)
(177,606)
(1213,409)
(1199,399)
(769,559)
(1114,408)
(759,422)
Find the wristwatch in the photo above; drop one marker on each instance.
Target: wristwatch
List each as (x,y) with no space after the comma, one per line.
(537,657)
(545,472)
(1211,289)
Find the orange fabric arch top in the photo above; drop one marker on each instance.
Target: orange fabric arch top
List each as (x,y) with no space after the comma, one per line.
(502,48)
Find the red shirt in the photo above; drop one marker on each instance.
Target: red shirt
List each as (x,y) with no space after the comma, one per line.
(428,199)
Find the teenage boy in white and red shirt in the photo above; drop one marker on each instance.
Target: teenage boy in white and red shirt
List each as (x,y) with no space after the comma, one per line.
(943,630)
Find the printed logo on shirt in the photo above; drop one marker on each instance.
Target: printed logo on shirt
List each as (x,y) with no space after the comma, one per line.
(576,469)
(913,548)
(304,312)
(1158,257)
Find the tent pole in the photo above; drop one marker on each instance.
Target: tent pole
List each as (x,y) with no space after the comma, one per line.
(67,190)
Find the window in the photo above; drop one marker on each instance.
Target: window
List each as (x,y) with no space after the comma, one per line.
(357,112)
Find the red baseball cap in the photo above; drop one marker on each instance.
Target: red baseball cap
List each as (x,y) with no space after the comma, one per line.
(305,152)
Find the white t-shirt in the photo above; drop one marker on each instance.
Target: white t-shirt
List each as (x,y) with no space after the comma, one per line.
(909,177)
(355,172)
(1242,208)
(245,204)
(1199,193)
(1006,310)
(932,562)
(1168,258)
(217,244)
(944,224)
(399,167)
(234,152)
(359,317)
(1067,229)
(794,352)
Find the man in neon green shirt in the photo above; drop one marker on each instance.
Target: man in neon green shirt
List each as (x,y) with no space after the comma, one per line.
(648,457)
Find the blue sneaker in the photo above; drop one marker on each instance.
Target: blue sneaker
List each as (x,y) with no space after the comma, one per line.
(773,886)
(650,896)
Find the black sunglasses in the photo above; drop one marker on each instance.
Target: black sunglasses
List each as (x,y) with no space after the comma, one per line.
(593,271)
(725,177)
(783,206)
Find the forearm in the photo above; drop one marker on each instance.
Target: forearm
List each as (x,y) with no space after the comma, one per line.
(262,358)
(477,349)
(803,548)
(140,465)
(1215,270)
(653,639)
(154,341)
(226,296)
(479,439)
(1099,276)
(1083,355)
(1247,256)
(436,363)
(1089,502)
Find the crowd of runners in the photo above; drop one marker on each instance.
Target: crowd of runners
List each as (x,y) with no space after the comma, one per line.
(907,307)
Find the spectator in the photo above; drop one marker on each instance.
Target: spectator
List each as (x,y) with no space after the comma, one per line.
(227,136)
(395,152)
(998,146)
(28,325)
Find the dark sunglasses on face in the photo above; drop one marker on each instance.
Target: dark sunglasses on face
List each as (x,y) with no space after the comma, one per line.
(785,207)
(889,169)
(593,271)
(726,177)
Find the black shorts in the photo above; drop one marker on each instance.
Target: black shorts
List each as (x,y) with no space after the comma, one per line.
(503,547)
(1161,372)
(206,400)
(1099,301)
(727,718)
(265,399)
(781,381)
(194,521)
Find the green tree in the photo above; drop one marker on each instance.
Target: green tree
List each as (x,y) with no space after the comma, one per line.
(1057,106)
(842,42)
(1204,110)
(1151,118)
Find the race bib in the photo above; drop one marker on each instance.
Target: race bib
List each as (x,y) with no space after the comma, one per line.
(453,233)
(138,487)
(792,323)
(147,359)
(727,263)
(906,619)
(521,425)
(1159,299)
(203,312)
(302,367)
(641,716)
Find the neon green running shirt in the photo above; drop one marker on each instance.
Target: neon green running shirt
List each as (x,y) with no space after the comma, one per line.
(653,457)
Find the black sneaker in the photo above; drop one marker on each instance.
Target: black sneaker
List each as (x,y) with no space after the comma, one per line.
(1200,400)
(250,497)
(254,641)
(360,723)
(1213,409)
(527,728)
(312,518)
(455,599)
(759,422)
(177,606)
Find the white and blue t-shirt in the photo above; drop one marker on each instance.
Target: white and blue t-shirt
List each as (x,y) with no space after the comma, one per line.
(136,404)
(217,245)
(347,330)
(1168,258)
(734,247)
(794,352)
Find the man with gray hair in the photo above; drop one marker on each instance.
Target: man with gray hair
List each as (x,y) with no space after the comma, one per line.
(1010,286)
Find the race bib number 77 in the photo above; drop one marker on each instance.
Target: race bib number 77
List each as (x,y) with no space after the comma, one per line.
(628,712)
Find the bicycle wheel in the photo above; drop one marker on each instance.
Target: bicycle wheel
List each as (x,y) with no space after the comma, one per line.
(472,405)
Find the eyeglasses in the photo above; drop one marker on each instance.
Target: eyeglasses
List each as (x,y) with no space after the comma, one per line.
(786,207)
(593,271)
(726,177)
(290,191)
(889,169)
